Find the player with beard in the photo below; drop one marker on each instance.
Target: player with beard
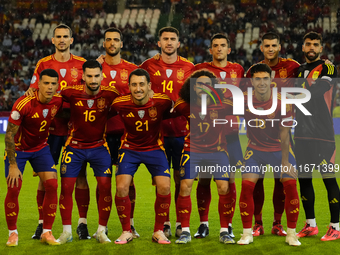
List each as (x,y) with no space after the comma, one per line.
(230,73)
(314,136)
(284,70)
(69,68)
(168,73)
(89,105)
(116,72)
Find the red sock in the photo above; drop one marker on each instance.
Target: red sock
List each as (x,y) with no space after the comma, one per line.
(66,200)
(203,195)
(40,200)
(177,189)
(97,195)
(104,199)
(123,206)
(132,196)
(258,201)
(82,197)
(278,201)
(247,203)
(184,210)
(12,206)
(50,202)
(232,197)
(162,206)
(292,203)
(225,210)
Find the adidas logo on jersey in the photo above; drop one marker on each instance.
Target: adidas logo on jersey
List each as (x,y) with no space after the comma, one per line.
(107,209)
(192,116)
(167,171)
(158,73)
(130,115)
(36,115)
(108,171)
(79,104)
(324,162)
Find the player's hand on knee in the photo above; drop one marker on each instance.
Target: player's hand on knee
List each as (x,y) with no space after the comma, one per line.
(101,59)
(30,92)
(14,174)
(290,170)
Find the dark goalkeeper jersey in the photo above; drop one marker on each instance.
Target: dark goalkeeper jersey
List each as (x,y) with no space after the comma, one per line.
(319,79)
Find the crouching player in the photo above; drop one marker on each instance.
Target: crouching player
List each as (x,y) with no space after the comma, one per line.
(268,144)
(26,140)
(142,143)
(204,148)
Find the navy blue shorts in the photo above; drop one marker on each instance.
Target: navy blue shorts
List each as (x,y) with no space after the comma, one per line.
(173,148)
(234,150)
(56,143)
(73,160)
(155,161)
(205,165)
(113,141)
(41,161)
(256,162)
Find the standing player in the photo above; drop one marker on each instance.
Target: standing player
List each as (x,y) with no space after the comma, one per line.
(203,148)
(116,72)
(283,72)
(314,136)
(167,75)
(26,140)
(70,72)
(229,73)
(268,144)
(142,143)
(89,105)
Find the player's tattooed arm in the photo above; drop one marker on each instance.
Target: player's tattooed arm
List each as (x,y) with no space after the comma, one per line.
(14,173)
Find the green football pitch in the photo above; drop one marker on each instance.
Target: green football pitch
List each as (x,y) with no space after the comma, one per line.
(144,220)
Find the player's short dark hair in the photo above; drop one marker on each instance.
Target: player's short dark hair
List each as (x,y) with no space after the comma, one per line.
(113,29)
(92,63)
(258,68)
(62,26)
(168,29)
(49,72)
(188,88)
(313,36)
(219,36)
(140,72)
(270,36)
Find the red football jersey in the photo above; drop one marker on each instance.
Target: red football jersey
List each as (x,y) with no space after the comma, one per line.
(203,136)
(34,119)
(263,131)
(70,73)
(89,115)
(168,79)
(232,74)
(283,73)
(142,123)
(118,76)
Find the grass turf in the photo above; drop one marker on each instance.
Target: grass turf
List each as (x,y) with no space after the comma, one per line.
(144,220)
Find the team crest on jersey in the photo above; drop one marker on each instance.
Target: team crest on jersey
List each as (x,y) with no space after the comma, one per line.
(124,74)
(201,116)
(34,78)
(315,75)
(271,116)
(180,74)
(233,75)
(90,103)
(152,112)
(223,75)
(63,72)
(101,104)
(283,73)
(74,73)
(63,169)
(141,114)
(213,114)
(45,112)
(54,110)
(168,72)
(113,74)
(182,172)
